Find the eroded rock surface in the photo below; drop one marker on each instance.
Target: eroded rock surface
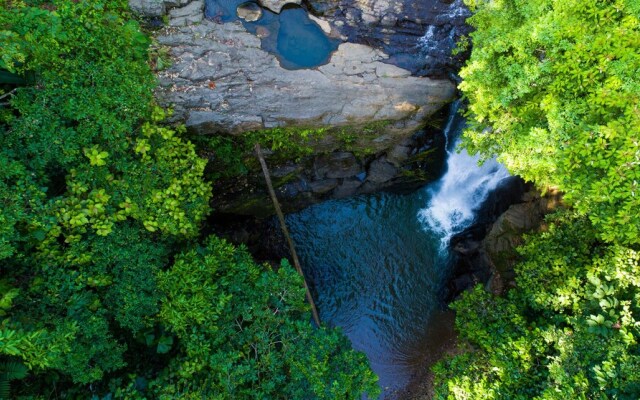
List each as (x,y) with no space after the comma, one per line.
(276,5)
(249,12)
(155,8)
(418,35)
(487,252)
(190,14)
(222,81)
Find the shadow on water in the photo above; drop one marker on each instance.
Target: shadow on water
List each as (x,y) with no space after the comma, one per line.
(295,40)
(377,273)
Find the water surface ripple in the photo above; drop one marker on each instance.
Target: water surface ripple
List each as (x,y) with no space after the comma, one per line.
(376,273)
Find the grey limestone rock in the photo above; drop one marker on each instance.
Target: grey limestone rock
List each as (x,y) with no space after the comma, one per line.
(148,8)
(155,8)
(190,14)
(222,81)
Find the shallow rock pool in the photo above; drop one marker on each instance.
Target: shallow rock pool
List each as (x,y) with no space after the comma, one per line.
(296,40)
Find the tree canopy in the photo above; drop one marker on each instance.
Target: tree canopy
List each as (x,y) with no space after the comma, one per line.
(105,291)
(553,92)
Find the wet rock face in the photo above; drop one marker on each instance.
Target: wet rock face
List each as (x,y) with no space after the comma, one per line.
(334,174)
(486,251)
(417,35)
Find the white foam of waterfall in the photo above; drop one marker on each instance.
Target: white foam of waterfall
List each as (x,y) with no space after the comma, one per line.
(456,197)
(428,41)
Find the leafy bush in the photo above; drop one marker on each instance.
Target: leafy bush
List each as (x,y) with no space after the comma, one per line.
(244,332)
(553,91)
(570,328)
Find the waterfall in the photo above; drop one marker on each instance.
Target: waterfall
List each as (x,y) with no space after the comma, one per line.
(456,197)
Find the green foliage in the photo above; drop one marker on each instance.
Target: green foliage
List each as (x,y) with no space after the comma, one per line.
(99,292)
(92,81)
(78,199)
(9,371)
(19,193)
(244,332)
(233,155)
(554,92)
(98,197)
(159,183)
(571,329)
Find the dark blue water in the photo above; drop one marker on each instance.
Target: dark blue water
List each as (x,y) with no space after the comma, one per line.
(376,273)
(297,41)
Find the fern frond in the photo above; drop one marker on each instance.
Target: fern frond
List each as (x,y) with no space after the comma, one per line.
(13,370)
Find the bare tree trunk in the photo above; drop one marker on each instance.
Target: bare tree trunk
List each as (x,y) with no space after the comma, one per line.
(285,231)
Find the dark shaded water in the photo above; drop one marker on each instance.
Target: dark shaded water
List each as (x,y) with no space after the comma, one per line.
(297,41)
(376,273)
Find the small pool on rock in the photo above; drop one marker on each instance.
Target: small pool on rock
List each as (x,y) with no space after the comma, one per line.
(296,40)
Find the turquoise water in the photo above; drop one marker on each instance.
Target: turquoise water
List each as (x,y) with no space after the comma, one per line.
(297,41)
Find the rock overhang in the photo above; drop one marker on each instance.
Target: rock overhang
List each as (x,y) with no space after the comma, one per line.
(369,111)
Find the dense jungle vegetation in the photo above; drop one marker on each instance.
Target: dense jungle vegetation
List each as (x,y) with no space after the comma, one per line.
(107,289)
(554,92)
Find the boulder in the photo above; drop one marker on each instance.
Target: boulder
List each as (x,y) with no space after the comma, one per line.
(323,186)
(381,171)
(506,232)
(148,8)
(155,8)
(249,12)
(347,188)
(276,5)
(190,14)
(399,154)
(336,165)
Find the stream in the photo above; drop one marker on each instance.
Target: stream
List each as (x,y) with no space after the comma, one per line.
(378,263)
